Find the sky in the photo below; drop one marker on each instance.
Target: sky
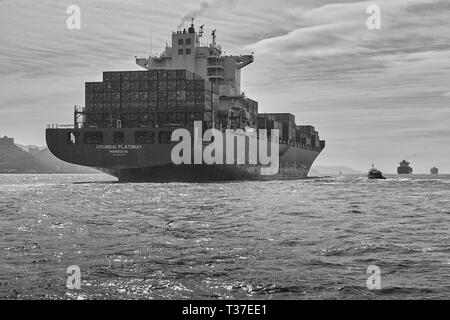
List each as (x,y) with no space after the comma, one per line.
(376,96)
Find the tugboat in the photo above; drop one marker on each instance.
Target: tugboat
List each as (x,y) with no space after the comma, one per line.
(434,170)
(375,174)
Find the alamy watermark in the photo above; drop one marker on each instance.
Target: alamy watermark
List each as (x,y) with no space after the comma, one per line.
(374,21)
(74,278)
(374,280)
(73,22)
(227,148)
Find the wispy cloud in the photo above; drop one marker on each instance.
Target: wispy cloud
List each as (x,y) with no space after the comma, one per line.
(386,88)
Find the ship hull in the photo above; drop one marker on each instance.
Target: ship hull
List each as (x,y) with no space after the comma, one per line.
(201,173)
(130,162)
(404,170)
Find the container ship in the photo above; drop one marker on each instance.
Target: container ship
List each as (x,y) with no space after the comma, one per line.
(404,168)
(126,125)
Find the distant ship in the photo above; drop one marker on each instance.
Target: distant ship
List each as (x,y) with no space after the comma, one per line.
(434,170)
(126,125)
(404,168)
(375,173)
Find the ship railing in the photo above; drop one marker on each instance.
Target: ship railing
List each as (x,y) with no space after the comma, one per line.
(60,126)
(215,74)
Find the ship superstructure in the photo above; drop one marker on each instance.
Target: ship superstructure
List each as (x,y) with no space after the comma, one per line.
(126,124)
(404,168)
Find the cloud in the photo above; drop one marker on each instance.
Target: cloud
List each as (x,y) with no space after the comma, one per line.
(340,29)
(313,58)
(203,6)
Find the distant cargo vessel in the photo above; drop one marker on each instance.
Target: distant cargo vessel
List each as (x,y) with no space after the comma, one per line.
(404,168)
(434,170)
(126,125)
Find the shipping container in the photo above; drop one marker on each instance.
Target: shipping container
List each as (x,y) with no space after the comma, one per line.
(116,76)
(171,74)
(116,86)
(98,97)
(125,86)
(288,130)
(89,87)
(134,86)
(112,76)
(143,76)
(190,85)
(162,85)
(162,75)
(107,76)
(143,85)
(116,97)
(125,76)
(98,86)
(153,86)
(171,85)
(107,86)
(107,97)
(143,96)
(306,129)
(152,75)
(153,96)
(134,96)
(134,76)
(185,74)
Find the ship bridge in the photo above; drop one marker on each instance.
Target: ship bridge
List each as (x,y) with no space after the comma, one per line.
(206,60)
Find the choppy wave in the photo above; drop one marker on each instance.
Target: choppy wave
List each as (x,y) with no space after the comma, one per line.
(306,239)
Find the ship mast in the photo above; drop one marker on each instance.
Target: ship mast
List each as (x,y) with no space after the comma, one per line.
(213,34)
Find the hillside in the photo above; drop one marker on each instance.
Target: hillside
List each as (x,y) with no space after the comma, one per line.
(331,170)
(32,159)
(15,160)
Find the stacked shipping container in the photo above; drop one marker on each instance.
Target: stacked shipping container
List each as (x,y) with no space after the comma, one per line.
(287,121)
(252,108)
(170,98)
(308,136)
(149,98)
(264,123)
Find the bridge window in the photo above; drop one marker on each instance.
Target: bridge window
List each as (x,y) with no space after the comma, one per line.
(188,41)
(119,137)
(180,52)
(93,138)
(188,51)
(180,42)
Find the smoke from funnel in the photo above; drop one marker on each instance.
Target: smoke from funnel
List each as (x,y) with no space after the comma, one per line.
(205,5)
